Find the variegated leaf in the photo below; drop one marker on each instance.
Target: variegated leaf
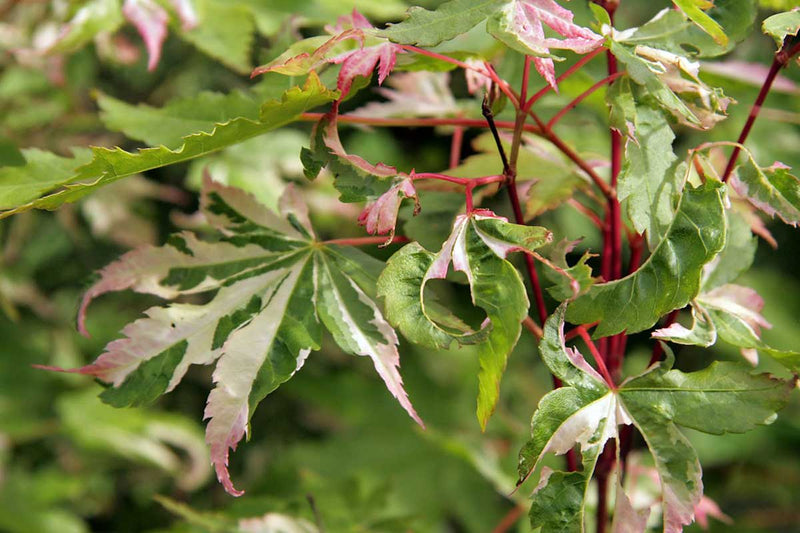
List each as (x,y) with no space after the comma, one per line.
(477,246)
(276,286)
(587,412)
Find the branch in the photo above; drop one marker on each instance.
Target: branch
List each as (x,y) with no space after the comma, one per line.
(782,59)
(569,72)
(581,97)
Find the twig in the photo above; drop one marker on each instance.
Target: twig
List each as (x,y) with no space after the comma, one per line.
(782,58)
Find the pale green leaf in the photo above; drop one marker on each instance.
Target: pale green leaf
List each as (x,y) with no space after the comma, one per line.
(168,125)
(449,20)
(669,278)
(109,165)
(737,255)
(773,190)
(781,25)
(695,10)
(649,182)
(42,172)
(673,31)
(224,32)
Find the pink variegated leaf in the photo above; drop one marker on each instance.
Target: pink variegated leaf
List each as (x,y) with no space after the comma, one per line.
(273,287)
(362,61)
(150,20)
(186,13)
(371,52)
(706,508)
(380,216)
(520,25)
(330,137)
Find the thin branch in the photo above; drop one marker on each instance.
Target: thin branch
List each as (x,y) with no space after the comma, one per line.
(455,146)
(782,58)
(598,358)
(542,130)
(591,215)
(569,72)
(581,97)
(533,327)
(486,109)
(466,182)
(508,521)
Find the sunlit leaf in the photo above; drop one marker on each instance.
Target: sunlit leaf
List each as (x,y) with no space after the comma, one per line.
(782,25)
(108,165)
(449,20)
(518,24)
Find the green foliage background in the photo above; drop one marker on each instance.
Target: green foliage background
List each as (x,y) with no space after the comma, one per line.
(71,464)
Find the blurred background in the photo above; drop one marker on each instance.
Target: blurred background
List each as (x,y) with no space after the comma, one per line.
(330,447)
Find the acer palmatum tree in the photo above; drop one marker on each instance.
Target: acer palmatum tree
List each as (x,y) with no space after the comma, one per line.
(675,230)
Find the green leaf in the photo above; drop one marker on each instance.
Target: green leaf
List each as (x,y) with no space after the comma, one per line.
(179,118)
(563,287)
(673,31)
(274,284)
(477,246)
(587,413)
(650,182)
(695,10)
(224,32)
(42,172)
(669,278)
(781,25)
(737,255)
(675,84)
(773,190)
(449,20)
(109,165)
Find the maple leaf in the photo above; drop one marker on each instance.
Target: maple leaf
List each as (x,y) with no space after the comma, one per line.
(519,24)
(150,20)
(372,52)
(380,216)
(275,288)
(477,246)
(587,411)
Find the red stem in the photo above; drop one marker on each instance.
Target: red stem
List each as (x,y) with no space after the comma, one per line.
(598,358)
(782,58)
(581,97)
(466,182)
(366,241)
(542,130)
(455,146)
(509,520)
(501,84)
(569,72)
(586,211)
